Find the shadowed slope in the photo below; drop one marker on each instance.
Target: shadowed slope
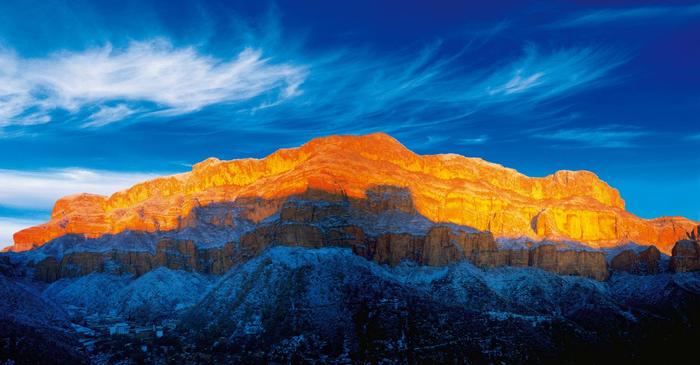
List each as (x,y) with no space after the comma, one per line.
(291,305)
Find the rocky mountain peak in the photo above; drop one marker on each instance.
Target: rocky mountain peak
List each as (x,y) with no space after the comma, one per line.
(567,205)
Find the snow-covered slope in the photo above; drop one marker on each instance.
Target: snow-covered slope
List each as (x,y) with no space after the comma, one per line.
(95,293)
(158,293)
(298,303)
(304,302)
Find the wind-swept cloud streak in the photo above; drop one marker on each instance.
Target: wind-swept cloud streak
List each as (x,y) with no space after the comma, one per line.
(351,91)
(603,137)
(174,80)
(481,139)
(109,114)
(38,190)
(637,14)
(545,76)
(345,89)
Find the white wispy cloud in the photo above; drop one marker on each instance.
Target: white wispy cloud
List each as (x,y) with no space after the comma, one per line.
(175,80)
(430,141)
(481,139)
(351,90)
(538,76)
(517,84)
(38,190)
(606,137)
(646,14)
(109,114)
(334,90)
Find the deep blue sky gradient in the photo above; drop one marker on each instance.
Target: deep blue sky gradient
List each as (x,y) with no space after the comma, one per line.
(486,79)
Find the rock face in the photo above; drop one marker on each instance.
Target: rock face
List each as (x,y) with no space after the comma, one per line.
(324,223)
(649,260)
(645,262)
(571,205)
(172,254)
(569,262)
(686,256)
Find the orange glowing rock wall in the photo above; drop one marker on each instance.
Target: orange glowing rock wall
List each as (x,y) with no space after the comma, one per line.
(572,205)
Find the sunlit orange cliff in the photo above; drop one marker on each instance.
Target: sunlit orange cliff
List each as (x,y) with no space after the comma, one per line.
(567,205)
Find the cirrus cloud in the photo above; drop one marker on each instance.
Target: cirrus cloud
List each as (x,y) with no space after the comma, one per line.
(351,90)
(638,14)
(611,136)
(174,80)
(332,90)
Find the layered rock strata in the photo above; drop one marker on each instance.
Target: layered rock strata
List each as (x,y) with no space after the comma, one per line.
(384,228)
(567,205)
(440,246)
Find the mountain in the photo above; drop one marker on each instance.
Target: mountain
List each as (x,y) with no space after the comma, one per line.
(352,249)
(295,305)
(565,206)
(329,305)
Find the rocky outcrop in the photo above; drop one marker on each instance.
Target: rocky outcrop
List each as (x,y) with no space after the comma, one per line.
(627,261)
(646,262)
(441,245)
(571,205)
(384,227)
(569,262)
(649,260)
(173,254)
(685,256)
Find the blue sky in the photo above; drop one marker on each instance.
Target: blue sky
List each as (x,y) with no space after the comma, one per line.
(96,95)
